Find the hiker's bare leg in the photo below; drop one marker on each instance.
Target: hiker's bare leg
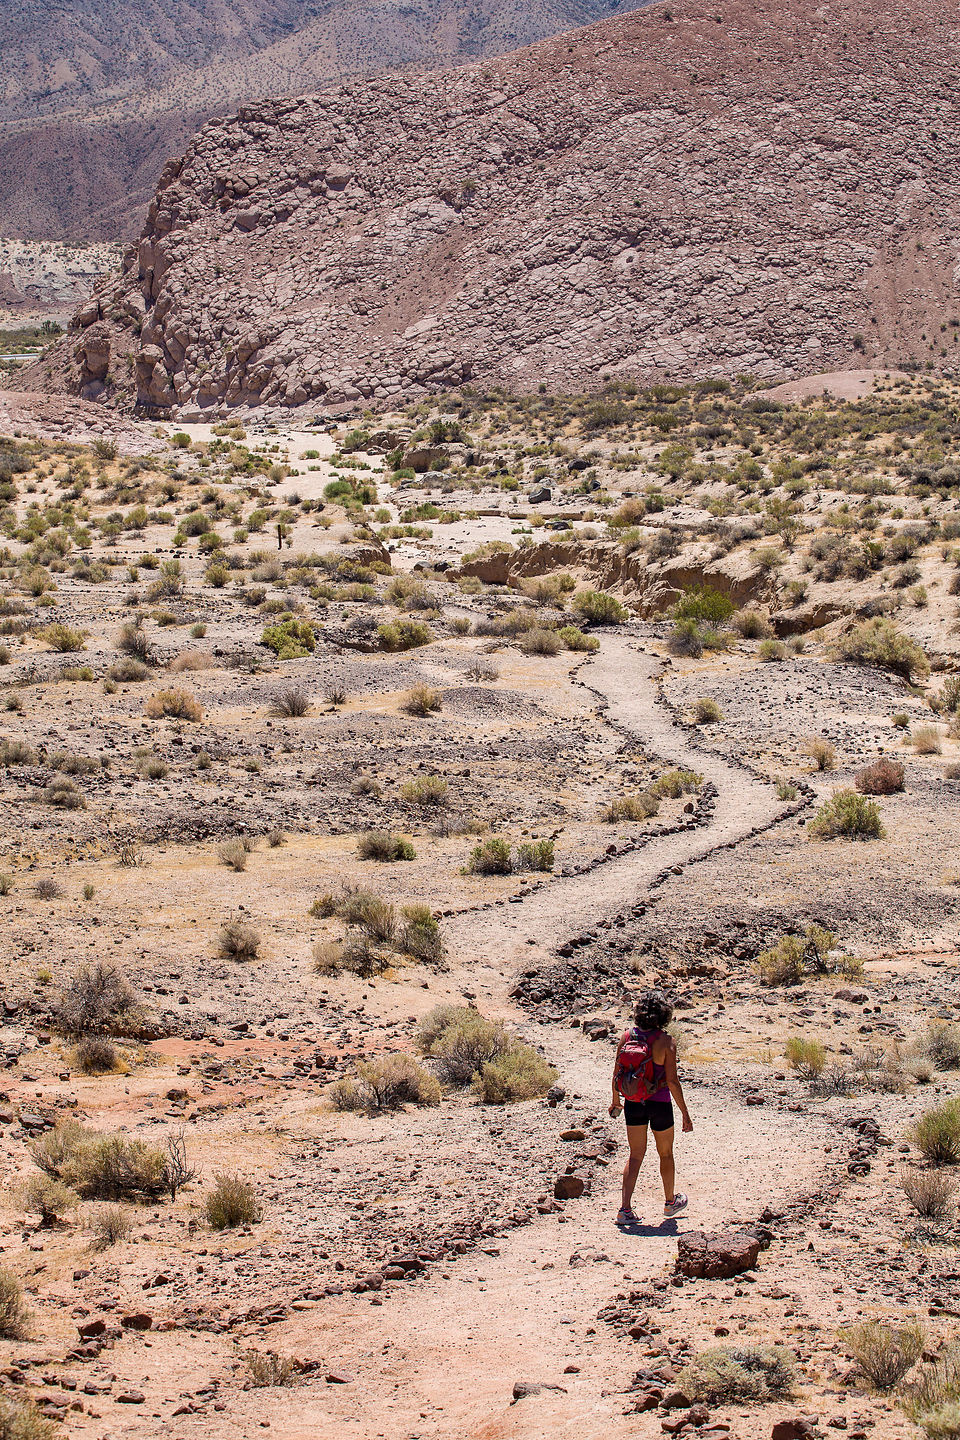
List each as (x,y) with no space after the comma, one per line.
(664,1144)
(637,1140)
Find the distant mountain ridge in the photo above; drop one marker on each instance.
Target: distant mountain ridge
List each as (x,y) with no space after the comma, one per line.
(97,94)
(684,191)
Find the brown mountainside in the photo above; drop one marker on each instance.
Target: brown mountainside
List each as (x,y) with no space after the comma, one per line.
(705,189)
(95,96)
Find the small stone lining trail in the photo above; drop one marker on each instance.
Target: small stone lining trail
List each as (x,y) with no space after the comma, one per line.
(440,1358)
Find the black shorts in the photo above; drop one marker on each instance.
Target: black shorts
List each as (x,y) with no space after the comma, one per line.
(658,1114)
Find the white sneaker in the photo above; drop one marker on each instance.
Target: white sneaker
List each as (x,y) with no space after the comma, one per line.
(678,1203)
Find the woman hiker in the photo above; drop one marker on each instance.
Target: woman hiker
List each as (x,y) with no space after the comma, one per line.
(645,1076)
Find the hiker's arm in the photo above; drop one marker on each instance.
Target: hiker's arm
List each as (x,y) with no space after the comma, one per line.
(673,1082)
(615,1103)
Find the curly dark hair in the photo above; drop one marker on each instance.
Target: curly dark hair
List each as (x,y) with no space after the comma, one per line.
(652,1011)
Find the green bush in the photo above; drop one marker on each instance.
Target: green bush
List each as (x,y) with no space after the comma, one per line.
(707,711)
(377,917)
(419,934)
(403,635)
(937,1134)
(426,791)
(942,1044)
(574,639)
(21,1420)
(519,1074)
(849,816)
(62,639)
(598,608)
(490,857)
(541,642)
(878,642)
(674,783)
(536,855)
(290,639)
(704,605)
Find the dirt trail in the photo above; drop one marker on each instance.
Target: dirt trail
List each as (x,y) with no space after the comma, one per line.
(493,943)
(441,1358)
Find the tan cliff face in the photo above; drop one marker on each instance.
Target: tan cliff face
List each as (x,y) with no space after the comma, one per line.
(708,191)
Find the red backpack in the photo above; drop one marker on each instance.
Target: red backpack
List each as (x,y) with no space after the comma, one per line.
(635,1077)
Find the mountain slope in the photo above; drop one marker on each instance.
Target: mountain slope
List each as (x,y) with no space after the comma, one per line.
(689,190)
(108,85)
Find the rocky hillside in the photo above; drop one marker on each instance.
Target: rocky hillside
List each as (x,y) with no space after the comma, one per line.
(95,97)
(769,190)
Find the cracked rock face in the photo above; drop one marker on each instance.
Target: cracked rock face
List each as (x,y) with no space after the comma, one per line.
(647,196)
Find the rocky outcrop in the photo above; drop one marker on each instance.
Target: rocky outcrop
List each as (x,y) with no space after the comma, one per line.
(650,587)
(667,193)
(716,1256)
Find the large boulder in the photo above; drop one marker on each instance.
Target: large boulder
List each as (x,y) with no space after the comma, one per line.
(716,1255)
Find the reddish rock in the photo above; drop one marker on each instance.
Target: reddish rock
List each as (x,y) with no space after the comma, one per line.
(716,1255)
(138,1321)
(90,1329)
(568,1187)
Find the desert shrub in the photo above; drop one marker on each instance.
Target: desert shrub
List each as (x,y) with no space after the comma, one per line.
(62,794)
(6,884)
(685,640)
(95,1055)
(941,1044)
(231,1202)
(327,957)
(16,752)
(521,1073)
(599,608)
(347,1094)
(290,639)
(110,1225)
(404,635)
(930,1192)
(21,1420)
(703,604)
(381,845)
(427,791)
(49,1198)
(541,642)
(641,806)
(152,769)
(335,693)
(436,1021)
(884,1353)
(361,956)
(751,625)
(422,700)
(937,1134)
(177,704)
(931,1399)
(133,642)
(419,934)
(395,1080)
(772,651)
(267,1369)
(47,889)
(464,1045)
(793,956)
(739,1375)
(883,777)
(807,1057)
(101,1167)
(849,816)
(878,642)
(99,1000)
(925,740)
(786,790)
(69,764)
(13,1311)
(128,670)
(490,857)
(192,660)
(574,639)
(234,854)
(291,703)
(672,784)
(276,837)
(943,1423)
(535,855)
(376,916)
(706,711)
(62,638)
(822,753)
(238,940)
